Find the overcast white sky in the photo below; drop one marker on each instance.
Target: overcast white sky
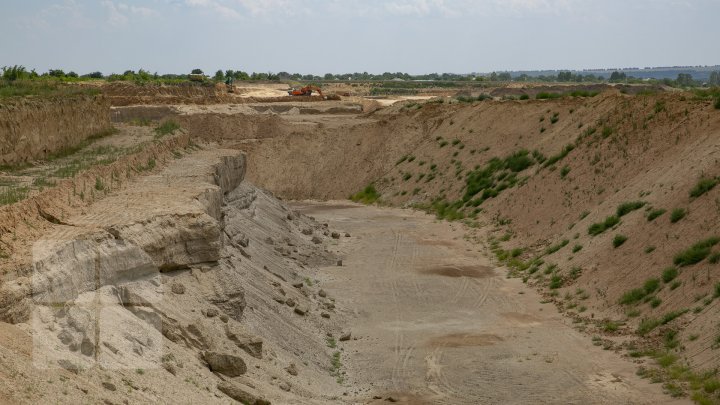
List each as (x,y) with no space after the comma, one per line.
(339,36)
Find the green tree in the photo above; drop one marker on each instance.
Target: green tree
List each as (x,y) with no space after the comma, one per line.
(714,78)
(197,72)
(616,77)
(219,76)
(12,73)
(685,79)
(56,73)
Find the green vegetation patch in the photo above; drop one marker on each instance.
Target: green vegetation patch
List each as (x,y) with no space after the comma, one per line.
(496,176)
(655,213)
(369,195)
(703,186)
(669,274)
(696,253)
(618,240)
(677,214)
(600,227)
(560,156)
(166,128)
(628,207)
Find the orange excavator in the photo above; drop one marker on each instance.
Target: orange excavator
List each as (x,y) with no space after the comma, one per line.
(306,91)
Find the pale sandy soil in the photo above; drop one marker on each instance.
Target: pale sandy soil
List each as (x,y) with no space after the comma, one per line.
(436,323)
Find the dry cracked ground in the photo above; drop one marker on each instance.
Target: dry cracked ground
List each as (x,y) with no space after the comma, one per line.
(221,263)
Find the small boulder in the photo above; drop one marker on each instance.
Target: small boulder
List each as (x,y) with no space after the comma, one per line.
(307,231)
(339,263)
(335,235)
(322,293)
(109,386)
(177,288)
(87,347)
(345,336)
(225,364)
(69,366)
(299,284)
(292,369)
(325,315)
(316,240)
(211,312)
(290,302)
(242,393)
(347,234)
(301,310)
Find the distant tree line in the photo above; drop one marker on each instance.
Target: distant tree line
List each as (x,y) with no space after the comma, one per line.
(14,73)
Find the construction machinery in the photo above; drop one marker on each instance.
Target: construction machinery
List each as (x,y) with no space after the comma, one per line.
(305,91)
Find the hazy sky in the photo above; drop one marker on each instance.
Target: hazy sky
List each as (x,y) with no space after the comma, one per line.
(320,36)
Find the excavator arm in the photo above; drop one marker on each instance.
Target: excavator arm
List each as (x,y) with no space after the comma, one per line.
(306,91)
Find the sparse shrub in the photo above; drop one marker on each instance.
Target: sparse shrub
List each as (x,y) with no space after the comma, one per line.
(669,274)
(632,296)
(525,97)
(560,156)
(564,171)
(538,156)
(577,248)
(651,285)
(677,214)
(368,196)
(547,96)
(554,119)
(652,215)
(554,248)
(518,161)
(443,144)
(717,104)
(670,316)
(407,176)
(618,240)
(702,187)
(600,227)
(606,132)
(628,207)
(647,325)
(99,186)
(655,302)
(556,282)
(166,128)
(610,326)
(717,290)
(714,258)
(575,272)
(696,253)
(649,249)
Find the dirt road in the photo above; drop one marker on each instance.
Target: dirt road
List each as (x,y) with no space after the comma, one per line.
(436,323)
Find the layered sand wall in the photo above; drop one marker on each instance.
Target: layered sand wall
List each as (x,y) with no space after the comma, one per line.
(32,129)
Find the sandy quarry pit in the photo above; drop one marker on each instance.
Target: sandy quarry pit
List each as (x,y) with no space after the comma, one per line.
(223,263)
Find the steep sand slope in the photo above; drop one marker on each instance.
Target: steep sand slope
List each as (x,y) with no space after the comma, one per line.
(653,149)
